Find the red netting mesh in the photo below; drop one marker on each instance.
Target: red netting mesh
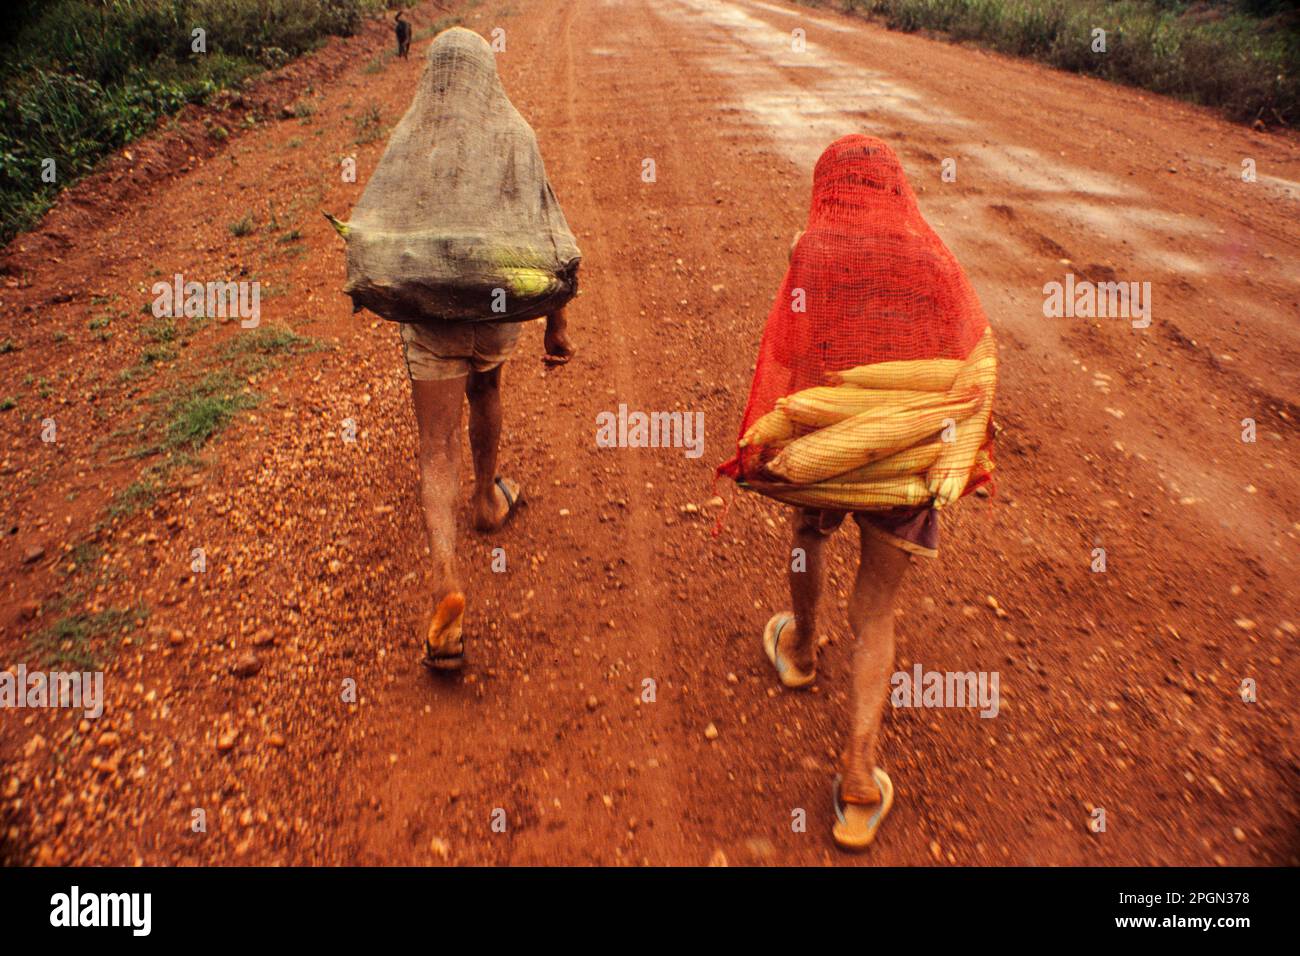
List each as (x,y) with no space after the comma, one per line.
(869,282)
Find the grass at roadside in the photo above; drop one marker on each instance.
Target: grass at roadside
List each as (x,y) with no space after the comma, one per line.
(1240,56)
(182,417)
(82,78)
(66,643)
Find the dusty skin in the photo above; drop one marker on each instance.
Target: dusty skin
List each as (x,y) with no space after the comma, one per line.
(1119,689)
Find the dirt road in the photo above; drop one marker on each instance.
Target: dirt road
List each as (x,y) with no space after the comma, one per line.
(1120,690)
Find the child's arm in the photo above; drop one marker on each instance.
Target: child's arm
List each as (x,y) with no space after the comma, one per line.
(558,347)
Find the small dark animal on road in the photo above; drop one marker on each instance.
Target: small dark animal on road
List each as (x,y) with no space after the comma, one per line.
(403,36)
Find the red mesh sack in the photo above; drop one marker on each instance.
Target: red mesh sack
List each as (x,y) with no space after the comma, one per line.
(876,372)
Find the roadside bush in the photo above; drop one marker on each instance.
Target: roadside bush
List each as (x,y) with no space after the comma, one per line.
(1241,56)
(81,78)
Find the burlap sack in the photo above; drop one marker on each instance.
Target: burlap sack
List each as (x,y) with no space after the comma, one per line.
(458,222)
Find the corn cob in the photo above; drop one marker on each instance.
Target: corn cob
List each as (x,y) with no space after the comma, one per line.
(529,283)
(910,461)
(862,439)
(948,476)
(342,228)
(773,427)
(878,495)
(823,405)
(930,375)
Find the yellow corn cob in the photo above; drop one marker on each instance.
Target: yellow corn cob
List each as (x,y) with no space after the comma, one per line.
(529,283)
(930,375)
(862,439)
(910,461)
(824,405)
(773,427)
(342,228)
(948,476)
(879,495)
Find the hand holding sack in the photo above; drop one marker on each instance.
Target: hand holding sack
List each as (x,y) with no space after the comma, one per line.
(459,222)
(875,378)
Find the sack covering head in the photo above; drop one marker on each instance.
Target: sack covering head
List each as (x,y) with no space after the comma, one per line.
(459,222)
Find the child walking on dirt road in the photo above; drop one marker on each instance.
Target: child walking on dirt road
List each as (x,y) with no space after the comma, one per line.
(871,397)
(459,237)
(449,363)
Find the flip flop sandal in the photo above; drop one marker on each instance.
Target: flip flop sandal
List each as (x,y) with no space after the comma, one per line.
(790,675)
(511,500)
(449,653)
(855,828)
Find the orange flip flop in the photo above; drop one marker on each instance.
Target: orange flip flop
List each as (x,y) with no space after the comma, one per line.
(855,823)
(788,674)
(444,645)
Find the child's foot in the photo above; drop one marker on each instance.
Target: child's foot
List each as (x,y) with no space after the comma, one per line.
(492,514)
(860,810)
(781,647)
(444,644)
(558,347)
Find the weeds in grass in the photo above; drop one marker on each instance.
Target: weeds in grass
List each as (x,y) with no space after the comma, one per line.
(368,125)
(65,644)
(139,495)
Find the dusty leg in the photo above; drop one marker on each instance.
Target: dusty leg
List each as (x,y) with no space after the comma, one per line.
(437,419)
(489,504)
(799,640)
(871,618)
(556,341)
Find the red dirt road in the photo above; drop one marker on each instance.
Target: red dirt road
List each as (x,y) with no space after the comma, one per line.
(1120,690)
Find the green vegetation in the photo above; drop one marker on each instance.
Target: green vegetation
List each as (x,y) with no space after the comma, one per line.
(242,226)
(269,340)
(79,79)
(189,416)
(65,644)
(1241,56)
(86,554)
(183,417)
(186,416)
(137,496)
(368,125)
